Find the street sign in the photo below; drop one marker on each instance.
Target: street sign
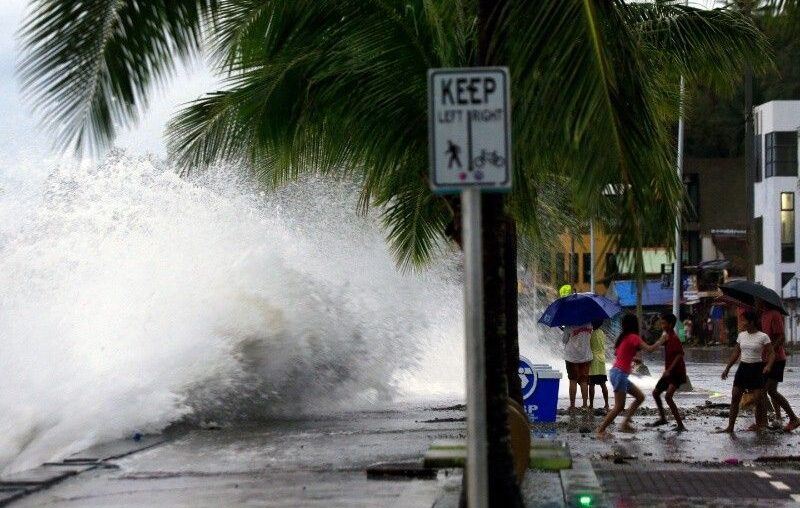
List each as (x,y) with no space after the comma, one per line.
(470,151)
(470,129)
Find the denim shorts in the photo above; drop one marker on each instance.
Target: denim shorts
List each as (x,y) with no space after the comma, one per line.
(619,380)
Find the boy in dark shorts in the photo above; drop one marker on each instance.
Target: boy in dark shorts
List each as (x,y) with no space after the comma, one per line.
(674,372)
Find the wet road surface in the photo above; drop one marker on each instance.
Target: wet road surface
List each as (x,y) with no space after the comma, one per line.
(321,461)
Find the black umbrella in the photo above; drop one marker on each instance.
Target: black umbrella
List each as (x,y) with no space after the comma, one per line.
(747,292)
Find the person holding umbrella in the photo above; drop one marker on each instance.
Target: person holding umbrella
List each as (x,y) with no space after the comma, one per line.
(769,314)
(573,313)
(772,324)
(578,358)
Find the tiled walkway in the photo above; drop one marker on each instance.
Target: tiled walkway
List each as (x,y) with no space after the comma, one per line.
(637,487)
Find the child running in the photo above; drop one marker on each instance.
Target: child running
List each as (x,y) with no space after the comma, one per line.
(597,371)
(674,372)
(628,343)
(750,345)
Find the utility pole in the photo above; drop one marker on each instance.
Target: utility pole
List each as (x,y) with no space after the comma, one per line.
(677,285)
(746,6)
(592,278)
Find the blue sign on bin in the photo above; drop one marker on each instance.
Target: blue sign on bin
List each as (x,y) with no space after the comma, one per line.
(539,390)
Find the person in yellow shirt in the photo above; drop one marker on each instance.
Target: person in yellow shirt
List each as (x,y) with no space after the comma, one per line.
(597,370)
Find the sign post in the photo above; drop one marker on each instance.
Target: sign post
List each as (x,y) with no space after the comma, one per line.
(470,152)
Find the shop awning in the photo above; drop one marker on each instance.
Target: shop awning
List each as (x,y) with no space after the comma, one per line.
(653,295)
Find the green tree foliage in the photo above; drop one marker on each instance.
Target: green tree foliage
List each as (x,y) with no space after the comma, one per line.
(715,126)
(339,87)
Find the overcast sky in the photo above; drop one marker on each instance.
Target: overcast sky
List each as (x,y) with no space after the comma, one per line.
(21,138)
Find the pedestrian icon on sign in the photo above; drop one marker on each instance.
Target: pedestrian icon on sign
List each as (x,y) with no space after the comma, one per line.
(453,150)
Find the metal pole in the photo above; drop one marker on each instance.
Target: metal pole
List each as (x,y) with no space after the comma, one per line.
(793,318)
(591,255)
(676,272)
(477,450)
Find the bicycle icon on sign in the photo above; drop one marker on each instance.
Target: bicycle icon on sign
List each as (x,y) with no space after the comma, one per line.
(492,158)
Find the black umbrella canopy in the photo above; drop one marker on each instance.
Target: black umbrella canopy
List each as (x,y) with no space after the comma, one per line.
(747,292)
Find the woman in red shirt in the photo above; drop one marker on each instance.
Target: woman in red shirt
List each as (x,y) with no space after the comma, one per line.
(628,343)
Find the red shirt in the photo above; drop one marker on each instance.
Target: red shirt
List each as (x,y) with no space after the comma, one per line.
(772,325)
(626,351)
(672,349)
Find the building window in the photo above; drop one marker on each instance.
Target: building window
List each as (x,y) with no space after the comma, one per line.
(611,264)
(758,226)
(781,152)
(587,268)
(786,277)
(560,276)
(693,248)
(787,227)
(547,268)
(573,268)
(692,183)
(757,156)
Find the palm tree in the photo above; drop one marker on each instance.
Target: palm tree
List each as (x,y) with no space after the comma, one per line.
(338,87)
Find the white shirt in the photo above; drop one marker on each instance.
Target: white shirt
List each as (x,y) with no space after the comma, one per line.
(752,344)
(577,348)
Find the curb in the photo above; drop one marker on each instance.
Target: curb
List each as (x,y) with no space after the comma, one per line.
(581,487)
(23,483)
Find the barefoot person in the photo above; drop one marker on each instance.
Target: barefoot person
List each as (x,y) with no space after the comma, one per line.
(577,356)
(771,323)
(597,370)
(750,345)
(674,372)
(628,343)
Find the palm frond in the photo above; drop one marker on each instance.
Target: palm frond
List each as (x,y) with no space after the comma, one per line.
(415,221)
(87,66)
(706,46)
(590,102)
(332,87)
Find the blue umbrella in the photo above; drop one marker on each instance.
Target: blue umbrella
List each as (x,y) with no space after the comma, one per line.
(579,309)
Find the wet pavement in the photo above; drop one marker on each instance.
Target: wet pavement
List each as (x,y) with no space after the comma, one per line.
(692,486)
(660,467)
(322,461)
(312,462)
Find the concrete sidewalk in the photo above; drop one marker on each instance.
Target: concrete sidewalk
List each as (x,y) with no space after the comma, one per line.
(323,462)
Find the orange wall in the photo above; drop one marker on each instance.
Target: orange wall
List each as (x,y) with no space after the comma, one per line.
(579,280)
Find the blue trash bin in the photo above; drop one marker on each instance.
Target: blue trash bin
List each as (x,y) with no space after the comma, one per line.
(544,400)
(539,390)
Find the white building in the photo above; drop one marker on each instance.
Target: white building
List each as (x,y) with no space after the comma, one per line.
(777,126)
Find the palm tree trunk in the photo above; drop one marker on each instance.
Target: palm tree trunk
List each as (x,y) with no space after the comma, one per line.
(512,313)
(499,278)
(500,311)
